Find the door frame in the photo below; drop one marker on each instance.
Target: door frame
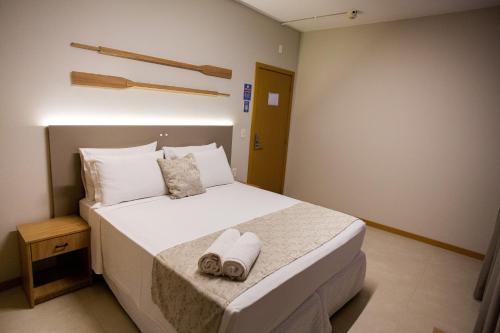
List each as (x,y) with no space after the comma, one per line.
(259,65)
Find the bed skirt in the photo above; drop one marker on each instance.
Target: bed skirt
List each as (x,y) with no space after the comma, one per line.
(312,316)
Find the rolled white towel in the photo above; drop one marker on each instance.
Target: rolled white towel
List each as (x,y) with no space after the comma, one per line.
(211,260)
(239,259)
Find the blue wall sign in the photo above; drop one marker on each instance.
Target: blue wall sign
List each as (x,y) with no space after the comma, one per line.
(246,106)
(247,92)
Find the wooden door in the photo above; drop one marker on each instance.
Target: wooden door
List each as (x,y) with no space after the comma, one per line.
(270,127)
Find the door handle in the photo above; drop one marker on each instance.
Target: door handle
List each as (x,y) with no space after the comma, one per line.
(257,144)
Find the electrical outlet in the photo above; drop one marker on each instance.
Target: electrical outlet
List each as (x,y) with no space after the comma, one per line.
(243,133)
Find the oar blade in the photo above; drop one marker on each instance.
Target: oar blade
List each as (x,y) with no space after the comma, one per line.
(216,71)
(98,80)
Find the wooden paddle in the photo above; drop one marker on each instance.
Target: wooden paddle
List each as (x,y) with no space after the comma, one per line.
(205,69)
(107,81)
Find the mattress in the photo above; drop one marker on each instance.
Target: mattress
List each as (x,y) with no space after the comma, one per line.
(127,236)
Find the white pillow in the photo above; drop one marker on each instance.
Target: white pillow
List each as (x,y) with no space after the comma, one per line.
(88,154)
(214,168)
(171,152)
(126,178)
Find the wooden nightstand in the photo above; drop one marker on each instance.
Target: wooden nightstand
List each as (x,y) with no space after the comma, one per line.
(55,257)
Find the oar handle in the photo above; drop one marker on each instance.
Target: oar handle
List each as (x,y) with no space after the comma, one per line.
(85,47)
(175,89)
(145,58)
(134,56)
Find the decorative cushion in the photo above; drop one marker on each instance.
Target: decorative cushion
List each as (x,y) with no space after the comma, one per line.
(181,176)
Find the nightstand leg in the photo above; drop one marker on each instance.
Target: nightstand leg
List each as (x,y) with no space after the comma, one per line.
(27,270)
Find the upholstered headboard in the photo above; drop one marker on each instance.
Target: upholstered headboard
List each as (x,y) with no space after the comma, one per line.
(64,141)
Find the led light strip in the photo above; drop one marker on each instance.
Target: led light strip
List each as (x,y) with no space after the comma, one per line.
(153,121)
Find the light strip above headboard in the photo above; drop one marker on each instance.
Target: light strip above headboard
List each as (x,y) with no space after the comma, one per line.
(64,141)
(83,119)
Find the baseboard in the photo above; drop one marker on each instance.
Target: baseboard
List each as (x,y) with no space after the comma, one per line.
(426,240)
(4,285)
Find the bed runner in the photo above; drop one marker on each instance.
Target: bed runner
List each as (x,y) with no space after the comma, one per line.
(194,302)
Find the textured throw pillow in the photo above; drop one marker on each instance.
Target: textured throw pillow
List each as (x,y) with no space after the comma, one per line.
(181,176)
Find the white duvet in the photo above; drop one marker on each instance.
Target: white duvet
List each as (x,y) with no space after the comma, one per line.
(126,237)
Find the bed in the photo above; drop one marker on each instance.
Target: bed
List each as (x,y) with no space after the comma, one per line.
(299,297)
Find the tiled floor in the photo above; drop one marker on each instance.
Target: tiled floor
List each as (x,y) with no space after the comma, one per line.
(410,287)
(92,309)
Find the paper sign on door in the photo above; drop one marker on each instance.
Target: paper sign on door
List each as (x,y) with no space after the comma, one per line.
(273,99)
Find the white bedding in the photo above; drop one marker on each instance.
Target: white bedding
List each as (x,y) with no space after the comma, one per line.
(126,237)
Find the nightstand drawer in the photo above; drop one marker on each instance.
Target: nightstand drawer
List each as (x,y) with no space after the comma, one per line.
(54,246)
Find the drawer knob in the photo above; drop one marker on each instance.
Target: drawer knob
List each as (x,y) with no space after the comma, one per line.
(61,246)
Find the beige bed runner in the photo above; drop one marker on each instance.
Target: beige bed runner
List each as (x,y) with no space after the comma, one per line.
(194,302)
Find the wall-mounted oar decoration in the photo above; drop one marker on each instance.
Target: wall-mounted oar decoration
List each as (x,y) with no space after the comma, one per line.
(205,69)
(107,81)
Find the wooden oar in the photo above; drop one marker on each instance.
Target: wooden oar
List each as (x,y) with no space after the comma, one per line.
(107,81)
(205,69)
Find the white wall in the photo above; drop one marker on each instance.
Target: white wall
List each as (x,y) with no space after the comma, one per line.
(36,59)
(399,123)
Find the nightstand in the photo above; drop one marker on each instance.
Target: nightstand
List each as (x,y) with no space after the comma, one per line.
(55,257)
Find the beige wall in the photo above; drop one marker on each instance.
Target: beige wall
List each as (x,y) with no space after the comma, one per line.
(399,123)
(35,61)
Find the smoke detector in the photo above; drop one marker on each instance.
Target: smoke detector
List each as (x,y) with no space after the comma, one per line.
(352,14)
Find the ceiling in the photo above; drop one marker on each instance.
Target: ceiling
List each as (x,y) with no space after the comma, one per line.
(371,11)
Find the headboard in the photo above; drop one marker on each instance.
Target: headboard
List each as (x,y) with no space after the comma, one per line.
(64,141)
